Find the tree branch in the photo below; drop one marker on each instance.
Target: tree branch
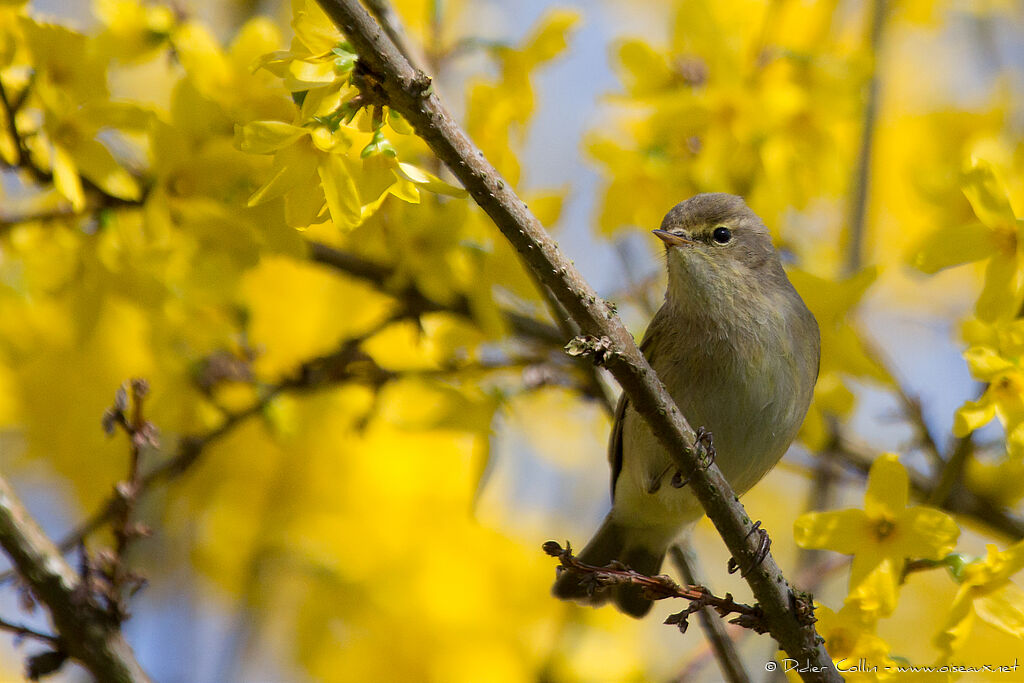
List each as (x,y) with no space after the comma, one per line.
(410,93)
(86,630)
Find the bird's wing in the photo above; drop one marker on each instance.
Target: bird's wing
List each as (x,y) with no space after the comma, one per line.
(615,442)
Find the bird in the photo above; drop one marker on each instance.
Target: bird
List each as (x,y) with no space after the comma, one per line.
(739,352)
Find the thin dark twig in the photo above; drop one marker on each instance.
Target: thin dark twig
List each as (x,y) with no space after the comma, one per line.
(392,24)
(388,18)
(533,330)
(86,631)
(10,117)
(658,588)
(859,196)
(910,405)
(312,374)
(949,477)
(22,631)
(718,636)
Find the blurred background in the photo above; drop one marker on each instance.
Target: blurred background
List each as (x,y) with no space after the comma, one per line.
(384,428)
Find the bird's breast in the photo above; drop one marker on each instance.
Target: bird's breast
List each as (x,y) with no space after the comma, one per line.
(750,387)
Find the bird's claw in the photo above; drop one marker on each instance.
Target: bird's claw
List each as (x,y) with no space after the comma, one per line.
(763,546)
(703,438)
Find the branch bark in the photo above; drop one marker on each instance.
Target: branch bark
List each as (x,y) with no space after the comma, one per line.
(87,633)
(409,92)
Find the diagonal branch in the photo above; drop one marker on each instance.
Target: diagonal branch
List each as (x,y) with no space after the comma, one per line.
(85,628)
(410,93)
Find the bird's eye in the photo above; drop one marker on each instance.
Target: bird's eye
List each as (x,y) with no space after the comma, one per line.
(722,235)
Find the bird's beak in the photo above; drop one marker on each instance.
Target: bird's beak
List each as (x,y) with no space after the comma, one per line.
(672,239)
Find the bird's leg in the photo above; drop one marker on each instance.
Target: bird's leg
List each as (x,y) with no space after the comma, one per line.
(655,483)
(703,439)
(764,545)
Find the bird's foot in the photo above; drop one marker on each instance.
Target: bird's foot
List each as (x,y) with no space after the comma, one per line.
(655,481)
(763,546)
(708,453)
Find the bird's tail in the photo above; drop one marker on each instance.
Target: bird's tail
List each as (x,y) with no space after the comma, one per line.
(614,541)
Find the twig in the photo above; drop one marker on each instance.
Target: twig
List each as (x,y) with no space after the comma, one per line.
(858,199)
(825,475)
(381,277)
(910,405)
(718,636)
(141,434)
(22,631)
(10,118)
(658,588)
(87,633)
(392,25)
(823,568)
(410,93)
(948,477)
(313,374)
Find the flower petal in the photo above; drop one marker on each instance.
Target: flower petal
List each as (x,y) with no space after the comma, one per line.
(428,181)
(293,166)
(264,137)
(874,584)
(66,179)
(886,496)
(958,624)
(1000,295)
(1003,609)
(926,533)
(844,531)
(985,363)
(988,196)
(973,415)
(952,245)
(341,191)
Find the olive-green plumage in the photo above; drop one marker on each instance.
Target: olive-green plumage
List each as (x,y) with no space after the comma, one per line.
(738,350)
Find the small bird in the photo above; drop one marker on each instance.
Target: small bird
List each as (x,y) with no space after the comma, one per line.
(738,351)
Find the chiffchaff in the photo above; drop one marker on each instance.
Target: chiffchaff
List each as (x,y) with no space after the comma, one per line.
(738,350)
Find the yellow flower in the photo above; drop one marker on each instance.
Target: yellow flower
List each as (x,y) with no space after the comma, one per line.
(133,30)
(881,536)
(497,111)
(308,158)
(72,149)
(226,76)
(319,56)
(68,70)
(753,114)
(995,359)
(849,638)
(986,593)
(995,236)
